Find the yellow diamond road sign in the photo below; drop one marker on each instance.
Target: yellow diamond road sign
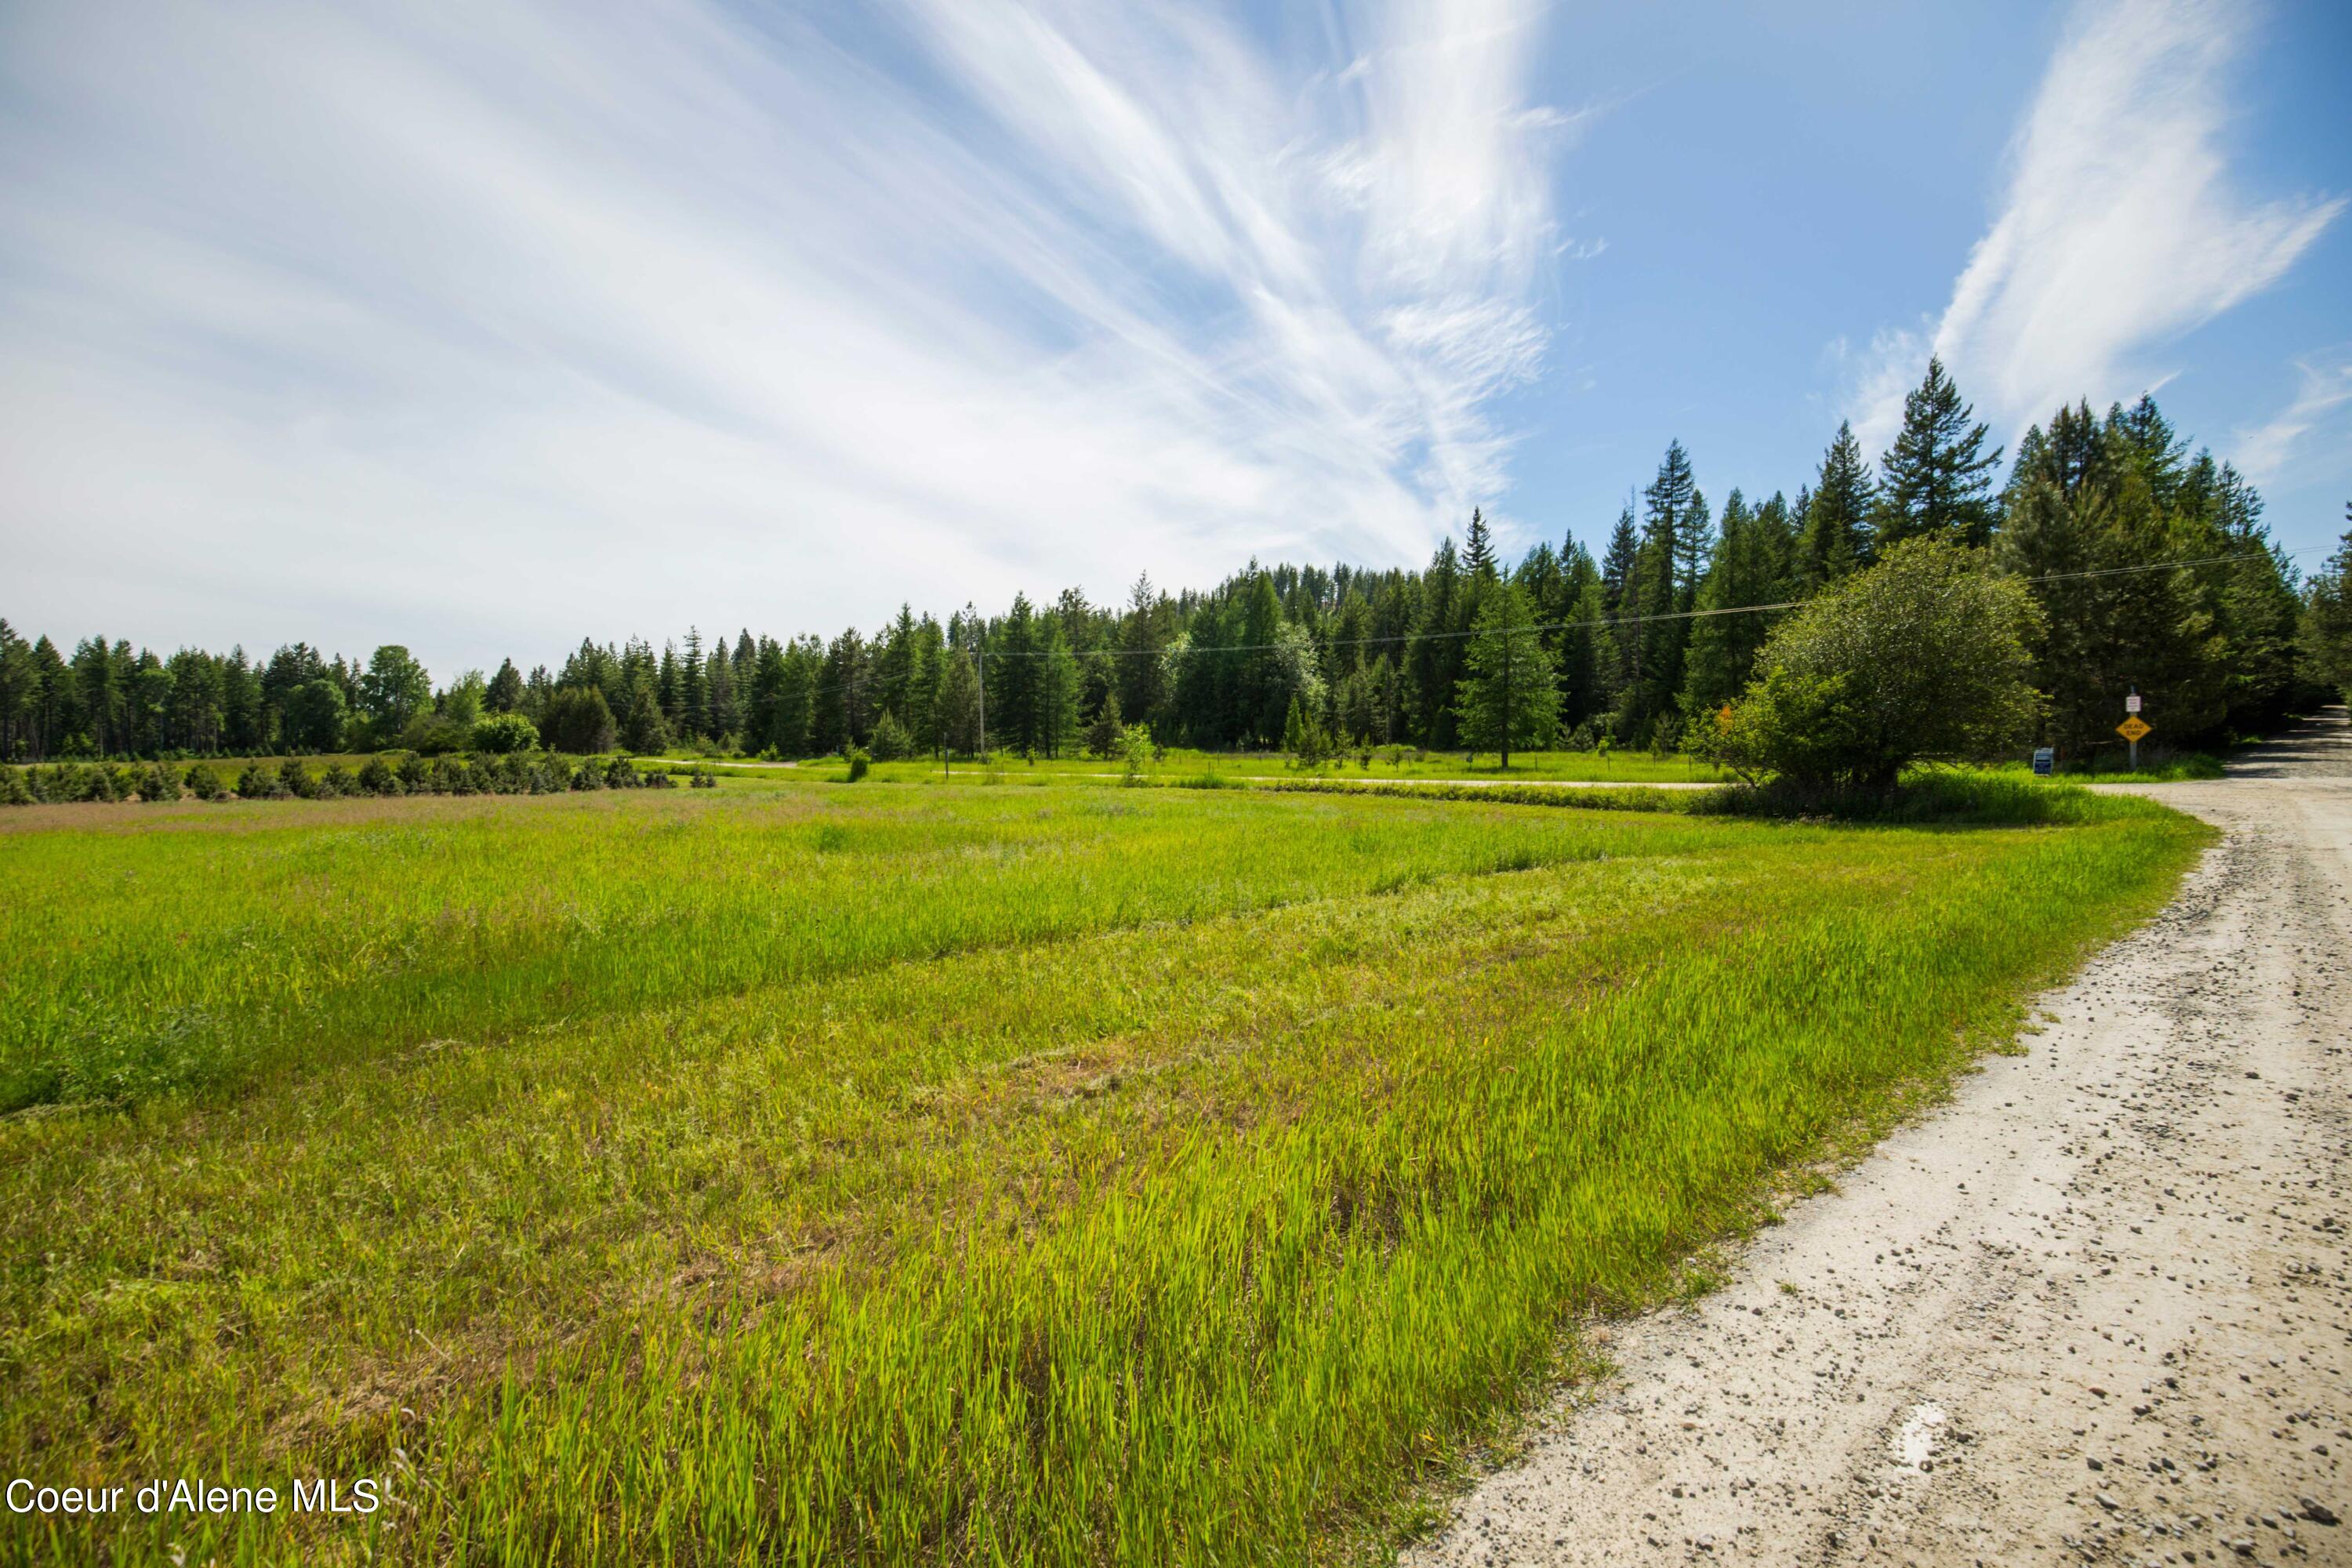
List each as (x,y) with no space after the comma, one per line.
(2133,727)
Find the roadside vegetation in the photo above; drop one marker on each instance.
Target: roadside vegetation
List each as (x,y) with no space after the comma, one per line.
(1066,1175)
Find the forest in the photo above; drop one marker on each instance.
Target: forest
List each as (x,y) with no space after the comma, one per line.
(2152,567)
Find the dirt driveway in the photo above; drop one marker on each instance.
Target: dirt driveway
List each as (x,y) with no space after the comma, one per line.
(2093,1310)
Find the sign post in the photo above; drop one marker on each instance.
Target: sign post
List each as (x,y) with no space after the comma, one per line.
(2133,727)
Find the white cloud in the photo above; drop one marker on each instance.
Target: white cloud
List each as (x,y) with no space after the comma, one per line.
(487,328)
(2120,230)
(2324,386)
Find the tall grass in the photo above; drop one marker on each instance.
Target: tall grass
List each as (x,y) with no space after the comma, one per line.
(1140,1240)
(254,936)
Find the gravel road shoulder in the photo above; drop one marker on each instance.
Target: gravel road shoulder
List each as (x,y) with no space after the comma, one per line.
(2094,1310)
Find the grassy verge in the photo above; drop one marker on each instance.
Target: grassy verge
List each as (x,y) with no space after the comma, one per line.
(1190,1216)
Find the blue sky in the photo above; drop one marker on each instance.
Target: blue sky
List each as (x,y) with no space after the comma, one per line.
(484,328)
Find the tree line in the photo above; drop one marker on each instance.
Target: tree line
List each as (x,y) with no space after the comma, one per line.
(2151,566)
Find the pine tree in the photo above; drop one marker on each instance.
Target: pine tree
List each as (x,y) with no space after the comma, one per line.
(923,685)
(1433,652)
(667,689)
(1142,637)
(959,705)
(1587,655)
(1510,690)
(1937,479)
(1478,554)
(506,688)
(693,690)
(1835,536)
(1666,509)
(1750,566)
(1617,565)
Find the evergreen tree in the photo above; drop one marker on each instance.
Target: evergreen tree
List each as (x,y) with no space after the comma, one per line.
(1142,638)
(959,712)
(1750,566)
(1478,554)
(1835,536)
(668,691)
(1937,478)
(726,702)
(1667,505)
(693,690)
(1510,693)
(2084,528)
(506,690)
(923,684)
(1433,655)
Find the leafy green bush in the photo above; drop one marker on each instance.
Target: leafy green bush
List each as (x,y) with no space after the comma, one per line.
(1135,752)
(502,734)
(258,782)
(377,777)
(859,762)
(204,783)
(431,735)
(13,790)
(1922,657)
(158,785)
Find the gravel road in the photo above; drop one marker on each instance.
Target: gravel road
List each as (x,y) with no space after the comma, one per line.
(2094,1310)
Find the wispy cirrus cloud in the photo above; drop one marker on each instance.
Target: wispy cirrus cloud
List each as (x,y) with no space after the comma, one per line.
(491,326)
(2121,228)
(2324,386)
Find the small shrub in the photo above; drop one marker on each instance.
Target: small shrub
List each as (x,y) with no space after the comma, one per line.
(294,779)
(158,784)
(335,783)
(859,761)
(653,780)
(377,778)
(1135,750)
(621,773)
(204,783)
(13,790)
(891,742)
(258,782)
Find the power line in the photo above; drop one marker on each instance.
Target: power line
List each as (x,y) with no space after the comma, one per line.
(1612,620)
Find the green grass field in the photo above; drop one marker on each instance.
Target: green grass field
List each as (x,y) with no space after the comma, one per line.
(969,1173)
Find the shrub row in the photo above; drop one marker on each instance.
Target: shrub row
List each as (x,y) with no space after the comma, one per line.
(515,773)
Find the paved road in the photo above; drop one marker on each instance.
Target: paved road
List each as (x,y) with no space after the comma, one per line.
(2096,1310)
